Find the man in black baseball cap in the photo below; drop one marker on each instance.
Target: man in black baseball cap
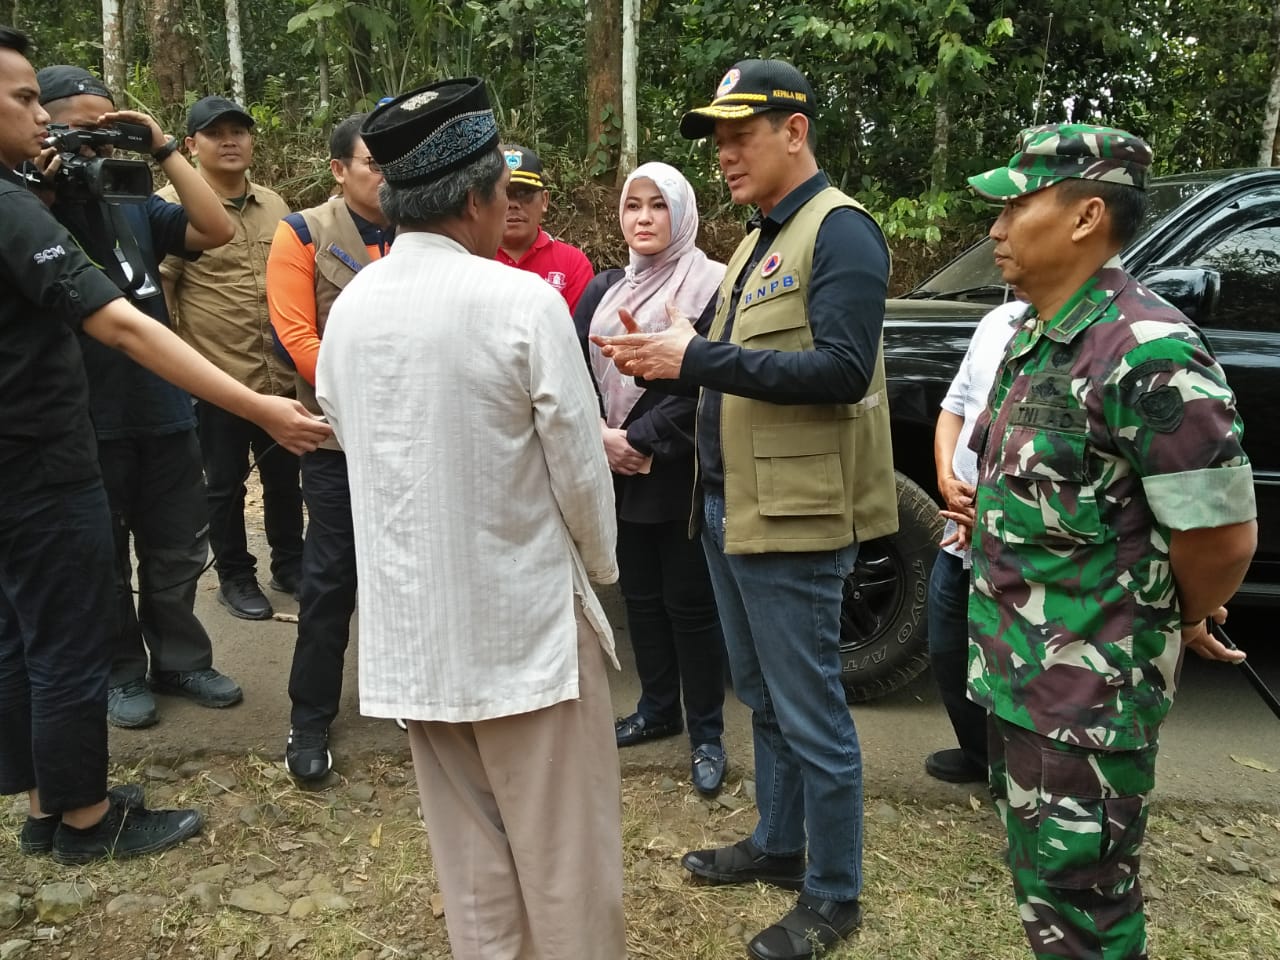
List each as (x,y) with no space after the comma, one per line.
(209,110)
(57,557)
(798,324)
(751,87)
(63,80)
(147,442)
(524,243)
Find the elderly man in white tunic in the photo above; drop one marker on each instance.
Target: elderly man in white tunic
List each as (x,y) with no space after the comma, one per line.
(483,510)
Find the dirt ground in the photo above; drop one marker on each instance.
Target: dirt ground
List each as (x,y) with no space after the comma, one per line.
(344,872)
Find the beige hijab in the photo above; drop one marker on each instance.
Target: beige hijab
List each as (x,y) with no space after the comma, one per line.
(681,275)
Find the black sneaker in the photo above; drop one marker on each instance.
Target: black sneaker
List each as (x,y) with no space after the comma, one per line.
(289,583)
(130,705)
(307,754)
(245,599)
(36,835)
(125,832)
(207,687)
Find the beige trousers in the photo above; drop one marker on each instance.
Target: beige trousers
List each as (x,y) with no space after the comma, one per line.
(524,815)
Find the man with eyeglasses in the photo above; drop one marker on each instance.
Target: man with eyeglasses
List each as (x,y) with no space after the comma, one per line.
(220,306)
(525,244)
(314,255)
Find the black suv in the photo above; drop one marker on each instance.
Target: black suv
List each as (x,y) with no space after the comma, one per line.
(1211,246)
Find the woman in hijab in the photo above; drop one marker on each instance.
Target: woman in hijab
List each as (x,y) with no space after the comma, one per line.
(648,437)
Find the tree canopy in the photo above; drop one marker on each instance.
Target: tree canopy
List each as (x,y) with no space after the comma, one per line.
(913,96)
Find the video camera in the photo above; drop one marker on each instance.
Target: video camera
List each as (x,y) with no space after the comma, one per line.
(80,179)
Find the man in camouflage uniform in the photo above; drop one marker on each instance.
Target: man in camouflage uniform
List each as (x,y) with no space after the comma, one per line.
(1115,513)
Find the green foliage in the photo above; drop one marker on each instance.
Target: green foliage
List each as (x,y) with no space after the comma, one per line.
(914,95)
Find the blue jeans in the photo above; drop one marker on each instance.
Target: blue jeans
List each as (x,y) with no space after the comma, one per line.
(781,618)
(949,654)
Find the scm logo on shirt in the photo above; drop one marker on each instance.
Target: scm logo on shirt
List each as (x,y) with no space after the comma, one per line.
(49,255)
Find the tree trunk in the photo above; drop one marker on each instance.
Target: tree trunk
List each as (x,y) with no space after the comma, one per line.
(322,69)
(112,47)
(941,141)
(1271,116)
(630,124)
(173,59)
(235,53)
(604,85)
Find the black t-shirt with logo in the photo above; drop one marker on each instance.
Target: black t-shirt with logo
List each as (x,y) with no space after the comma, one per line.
(47,288)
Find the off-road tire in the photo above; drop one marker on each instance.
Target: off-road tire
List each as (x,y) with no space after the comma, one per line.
(883,624)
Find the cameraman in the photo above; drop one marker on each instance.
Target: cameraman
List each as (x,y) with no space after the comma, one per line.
(147,445)
(55,537)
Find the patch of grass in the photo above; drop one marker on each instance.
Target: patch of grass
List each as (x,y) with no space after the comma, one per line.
(935,885)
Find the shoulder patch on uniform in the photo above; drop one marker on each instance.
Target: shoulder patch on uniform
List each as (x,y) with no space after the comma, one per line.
(1145,369)
(1161,409)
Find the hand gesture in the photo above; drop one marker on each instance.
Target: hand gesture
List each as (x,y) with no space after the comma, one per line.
(653,356)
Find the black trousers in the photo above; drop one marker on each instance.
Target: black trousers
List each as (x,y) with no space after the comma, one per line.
(156,490)
(328,596)
(56,621)
(225,441)
(674,627)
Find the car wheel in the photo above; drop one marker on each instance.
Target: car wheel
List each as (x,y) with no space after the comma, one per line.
(883,623)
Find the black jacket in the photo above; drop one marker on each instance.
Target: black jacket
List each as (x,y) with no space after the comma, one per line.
(660,424)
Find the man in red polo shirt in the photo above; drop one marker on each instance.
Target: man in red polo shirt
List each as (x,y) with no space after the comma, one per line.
(525,244)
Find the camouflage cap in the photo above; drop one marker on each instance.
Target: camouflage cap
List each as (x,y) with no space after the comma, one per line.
(1060,151)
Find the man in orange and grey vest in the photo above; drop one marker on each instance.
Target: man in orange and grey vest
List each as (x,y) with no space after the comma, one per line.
(316,253)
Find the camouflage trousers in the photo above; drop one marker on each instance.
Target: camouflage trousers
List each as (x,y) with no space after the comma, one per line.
(1075,819)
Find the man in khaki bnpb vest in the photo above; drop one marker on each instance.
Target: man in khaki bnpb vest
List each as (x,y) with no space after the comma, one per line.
(795,469)
(314,255)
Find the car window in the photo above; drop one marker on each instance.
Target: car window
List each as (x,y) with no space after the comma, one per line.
(1249,264)
(973,274)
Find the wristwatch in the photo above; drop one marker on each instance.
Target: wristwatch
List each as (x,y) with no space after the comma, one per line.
(163,154)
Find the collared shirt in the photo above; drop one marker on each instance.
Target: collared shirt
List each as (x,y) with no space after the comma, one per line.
(846,315)
(970,392)
(220,301)
(47,288)
(125,398)
(1110,427)
(562,265)
(480,493)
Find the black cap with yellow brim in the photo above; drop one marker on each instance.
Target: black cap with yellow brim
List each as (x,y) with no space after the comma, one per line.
(525,167)
(751,87)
